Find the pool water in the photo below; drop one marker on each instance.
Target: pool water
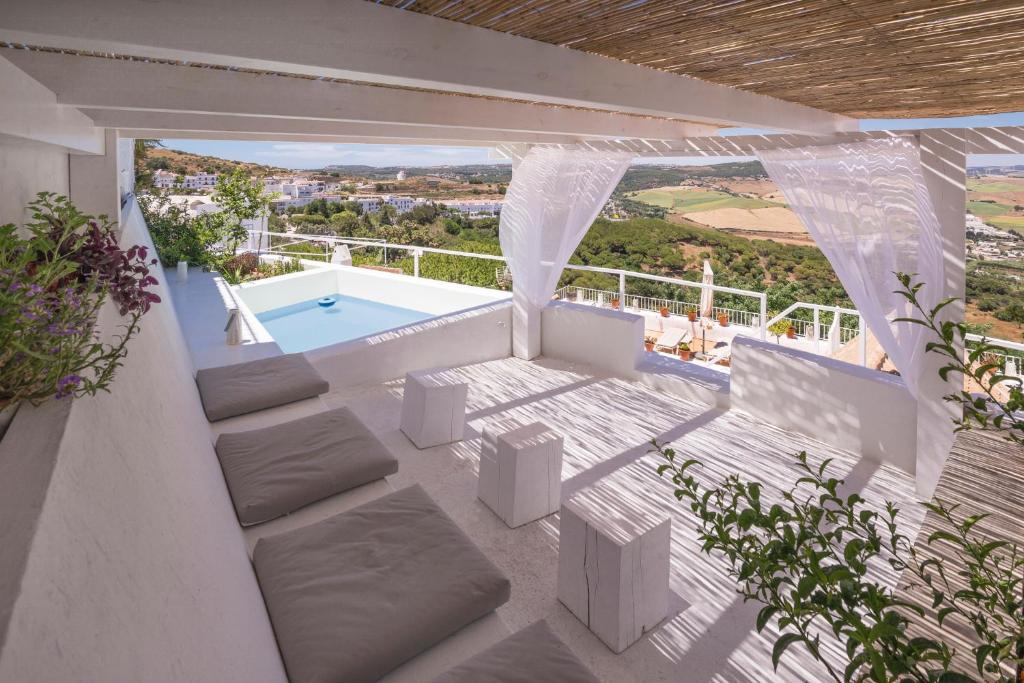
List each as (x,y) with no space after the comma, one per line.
(307,325)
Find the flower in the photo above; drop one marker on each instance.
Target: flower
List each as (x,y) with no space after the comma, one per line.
(66,385)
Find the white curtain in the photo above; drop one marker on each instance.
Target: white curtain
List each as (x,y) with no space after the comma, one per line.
(555,195)
(868,208)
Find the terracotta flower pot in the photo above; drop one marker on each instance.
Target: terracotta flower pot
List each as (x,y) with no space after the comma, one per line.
(791,332)
(684,355)
(664,312)
(692,315)
(723,320)
(649,346)
(615,303)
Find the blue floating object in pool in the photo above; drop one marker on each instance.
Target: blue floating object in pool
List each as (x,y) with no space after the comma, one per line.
(326,302)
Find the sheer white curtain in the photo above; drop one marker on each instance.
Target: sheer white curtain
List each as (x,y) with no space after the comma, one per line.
(554,196)
(868,208)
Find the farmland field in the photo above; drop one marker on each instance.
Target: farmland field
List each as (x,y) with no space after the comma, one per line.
(692,200)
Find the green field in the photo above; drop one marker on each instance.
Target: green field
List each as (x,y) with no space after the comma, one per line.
(993,186)
(988,208)
(685,200)
(1008,222)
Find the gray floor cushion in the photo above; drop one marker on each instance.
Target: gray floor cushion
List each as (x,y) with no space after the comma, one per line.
(355,596)
(532,655)
(232,390)
(276,470)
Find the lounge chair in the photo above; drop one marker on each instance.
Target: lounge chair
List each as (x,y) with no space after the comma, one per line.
(533,655)
(353,597)
(232,390)
(276,470)
(671,338)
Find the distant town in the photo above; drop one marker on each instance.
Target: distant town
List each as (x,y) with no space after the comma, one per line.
(291,193)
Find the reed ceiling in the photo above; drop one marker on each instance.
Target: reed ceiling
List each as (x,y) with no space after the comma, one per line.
(861,58)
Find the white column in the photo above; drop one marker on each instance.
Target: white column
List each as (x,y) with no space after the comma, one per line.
(93,180)
(944,163)
(525,326)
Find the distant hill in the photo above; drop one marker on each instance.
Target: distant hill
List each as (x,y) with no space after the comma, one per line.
(186,163)
(647,177)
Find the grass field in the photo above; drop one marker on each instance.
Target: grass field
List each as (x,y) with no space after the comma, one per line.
(986,186)
(687,200)
(1008,222)
(984,209)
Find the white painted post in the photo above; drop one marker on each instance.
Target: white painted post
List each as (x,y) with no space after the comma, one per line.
(764,316)
(622,290)
(416,262)
(525,327)
(816,333)
(944,164)
(862,340)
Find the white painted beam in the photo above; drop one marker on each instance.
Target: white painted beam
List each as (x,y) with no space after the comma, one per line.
(273,128)
(29,111)
(96,82)
(265,137)
(361,41)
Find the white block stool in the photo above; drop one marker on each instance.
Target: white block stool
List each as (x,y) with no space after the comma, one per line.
(520,471)
(613,566)
(434,407)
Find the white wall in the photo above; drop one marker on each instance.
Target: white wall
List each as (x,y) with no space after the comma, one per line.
(25,169)
(474,336)
(420,294)
(844,405)
(138,569)
(610,340)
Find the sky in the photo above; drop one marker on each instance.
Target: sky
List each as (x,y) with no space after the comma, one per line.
(302,155)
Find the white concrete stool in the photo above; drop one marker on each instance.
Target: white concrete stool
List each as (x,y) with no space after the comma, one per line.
(520,471)
(434,407)
(613,566)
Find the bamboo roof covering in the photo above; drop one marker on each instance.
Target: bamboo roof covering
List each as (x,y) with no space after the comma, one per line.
(861,58)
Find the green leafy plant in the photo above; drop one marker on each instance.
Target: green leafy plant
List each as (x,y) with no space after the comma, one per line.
(950,340)
(53,284)
(778,328)
(809,554)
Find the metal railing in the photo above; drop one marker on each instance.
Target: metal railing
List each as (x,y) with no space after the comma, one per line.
(636,302)
(818,330)
(1011,362)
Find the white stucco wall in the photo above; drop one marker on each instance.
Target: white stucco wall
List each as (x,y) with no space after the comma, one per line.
(138,568)
(847,406)
(610,340)
(474,336)
(25,169)
(420,294)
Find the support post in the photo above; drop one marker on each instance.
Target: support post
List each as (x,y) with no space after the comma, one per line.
(764,316)
(862,340)
(416,262)
(622,290)
(944,164)
(93,180)
(526,320)
(817,329)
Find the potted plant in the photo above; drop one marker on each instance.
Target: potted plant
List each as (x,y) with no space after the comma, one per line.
(779,328)
(649,342)
(791,332)
(53,283)
(684,351)
(692,315)
(664,311)
(615,303)
(723,319)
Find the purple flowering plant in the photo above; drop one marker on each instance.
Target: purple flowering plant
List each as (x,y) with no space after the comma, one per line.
(56,274)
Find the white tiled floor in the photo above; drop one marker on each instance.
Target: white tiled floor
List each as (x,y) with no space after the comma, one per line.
(608,424)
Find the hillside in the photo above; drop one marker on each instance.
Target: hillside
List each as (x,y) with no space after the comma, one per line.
(185,163)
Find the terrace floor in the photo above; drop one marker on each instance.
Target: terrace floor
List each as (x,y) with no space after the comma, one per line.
(607,424)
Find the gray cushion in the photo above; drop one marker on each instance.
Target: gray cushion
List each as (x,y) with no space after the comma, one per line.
(232,390)
(532,655)
(276,470)
(356,595)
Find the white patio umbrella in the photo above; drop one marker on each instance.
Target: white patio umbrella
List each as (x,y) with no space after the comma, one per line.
(833,335)
(707,296)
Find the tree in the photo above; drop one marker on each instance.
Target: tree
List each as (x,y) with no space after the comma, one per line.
(241,199)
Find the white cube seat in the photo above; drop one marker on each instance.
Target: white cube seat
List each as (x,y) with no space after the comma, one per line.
(434,407)
(613,566)
(520,471)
